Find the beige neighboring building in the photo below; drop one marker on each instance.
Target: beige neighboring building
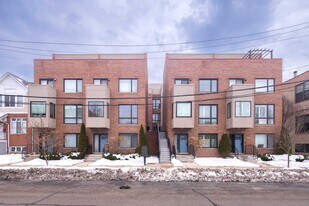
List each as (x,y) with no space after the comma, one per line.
(299,95)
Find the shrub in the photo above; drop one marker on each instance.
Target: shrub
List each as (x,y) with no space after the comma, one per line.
(82,142)
(142,141)
(110,156)
(73,155)
(306,157)
(50,157)
(299,159)
(266,157)
(224,146)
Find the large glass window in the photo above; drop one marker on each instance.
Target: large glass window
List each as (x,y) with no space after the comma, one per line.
(181,81)
(37,109)
(100,81)
(156,118)
(264,140)
(302,124)
(127,85)
(73,85)
(208,85)
(303,148)
(73,114)
(128,140)
(208,114)
(243,109)
(9,100)
(127,114)
(236,81)
(96,109)
(208,140)
(264,114)
(302,92)
(156,103)
(49,82)
(18,126)
(71,140)
(52,110)
(264,85)
(183,109)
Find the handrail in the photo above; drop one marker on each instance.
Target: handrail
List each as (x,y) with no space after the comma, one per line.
(169,147)
(236,153)
(174,151)
(192,150)
(158,132)
(254,150)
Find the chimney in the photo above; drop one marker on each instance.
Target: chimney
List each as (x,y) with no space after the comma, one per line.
(295,73)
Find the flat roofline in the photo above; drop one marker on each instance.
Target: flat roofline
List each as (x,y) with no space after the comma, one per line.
(97,56)
(209,56)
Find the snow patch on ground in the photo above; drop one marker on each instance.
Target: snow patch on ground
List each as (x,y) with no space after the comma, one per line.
(177,163)
(40,162)
(282,161)
(133,160)
(221,162)
(10,159)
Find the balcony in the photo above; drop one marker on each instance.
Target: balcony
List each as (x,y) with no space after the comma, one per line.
(42,110)
(97,111)
(184,118)
(240,106)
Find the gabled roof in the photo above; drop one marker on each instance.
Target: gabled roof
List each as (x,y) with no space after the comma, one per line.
(300,76)
(18,79)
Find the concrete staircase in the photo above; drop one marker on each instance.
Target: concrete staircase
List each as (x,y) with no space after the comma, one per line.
(93,157)
(185,158)
(164,149)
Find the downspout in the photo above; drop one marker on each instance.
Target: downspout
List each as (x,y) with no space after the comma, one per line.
(8,138)
(32,139)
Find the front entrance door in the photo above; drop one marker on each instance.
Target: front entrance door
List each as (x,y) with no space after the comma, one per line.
(237,143)
(99,142)
(182,143)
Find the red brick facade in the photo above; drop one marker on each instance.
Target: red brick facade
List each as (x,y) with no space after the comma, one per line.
(222,69)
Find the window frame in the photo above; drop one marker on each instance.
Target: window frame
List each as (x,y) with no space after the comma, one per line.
(131,89)
(22,121)
(229,110)
(267,85)
(267,136)
(47,81)
(303,98)
(154,103)
(52,110)
(31,114)
(131,142)
(184,102)
(156,120)
(211,119)
(131,118)
(89,102)
(267,118)
(242,80)
(211,89)
(181,81)
(101,79)
(76,85)
(242,116)
(76,113)
(11,101)
(77,140)
(211,136)
(303,126)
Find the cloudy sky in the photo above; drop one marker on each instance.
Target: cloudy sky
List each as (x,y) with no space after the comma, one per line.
(281,25)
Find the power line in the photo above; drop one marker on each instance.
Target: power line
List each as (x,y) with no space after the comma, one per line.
(150,45)
(157,97)
(196,100)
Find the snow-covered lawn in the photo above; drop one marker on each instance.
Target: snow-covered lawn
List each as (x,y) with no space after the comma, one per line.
(177,163)
(125,160)
(10,159)
(221,162)
(282,161)
(40,162)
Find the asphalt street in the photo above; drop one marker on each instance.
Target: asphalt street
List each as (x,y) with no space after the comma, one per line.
(151,193)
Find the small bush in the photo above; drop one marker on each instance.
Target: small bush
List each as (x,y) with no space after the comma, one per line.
(266,157)
(225,146)
(306,157)
(110,157)
(73,155)
(51,157)
(299,159)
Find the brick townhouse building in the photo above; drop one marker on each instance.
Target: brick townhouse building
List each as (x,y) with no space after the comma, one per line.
(15,136)
(225,101)
(296,90)
(107,92)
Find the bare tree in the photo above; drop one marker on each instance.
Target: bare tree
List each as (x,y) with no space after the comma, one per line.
(47,140)
(290,127)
